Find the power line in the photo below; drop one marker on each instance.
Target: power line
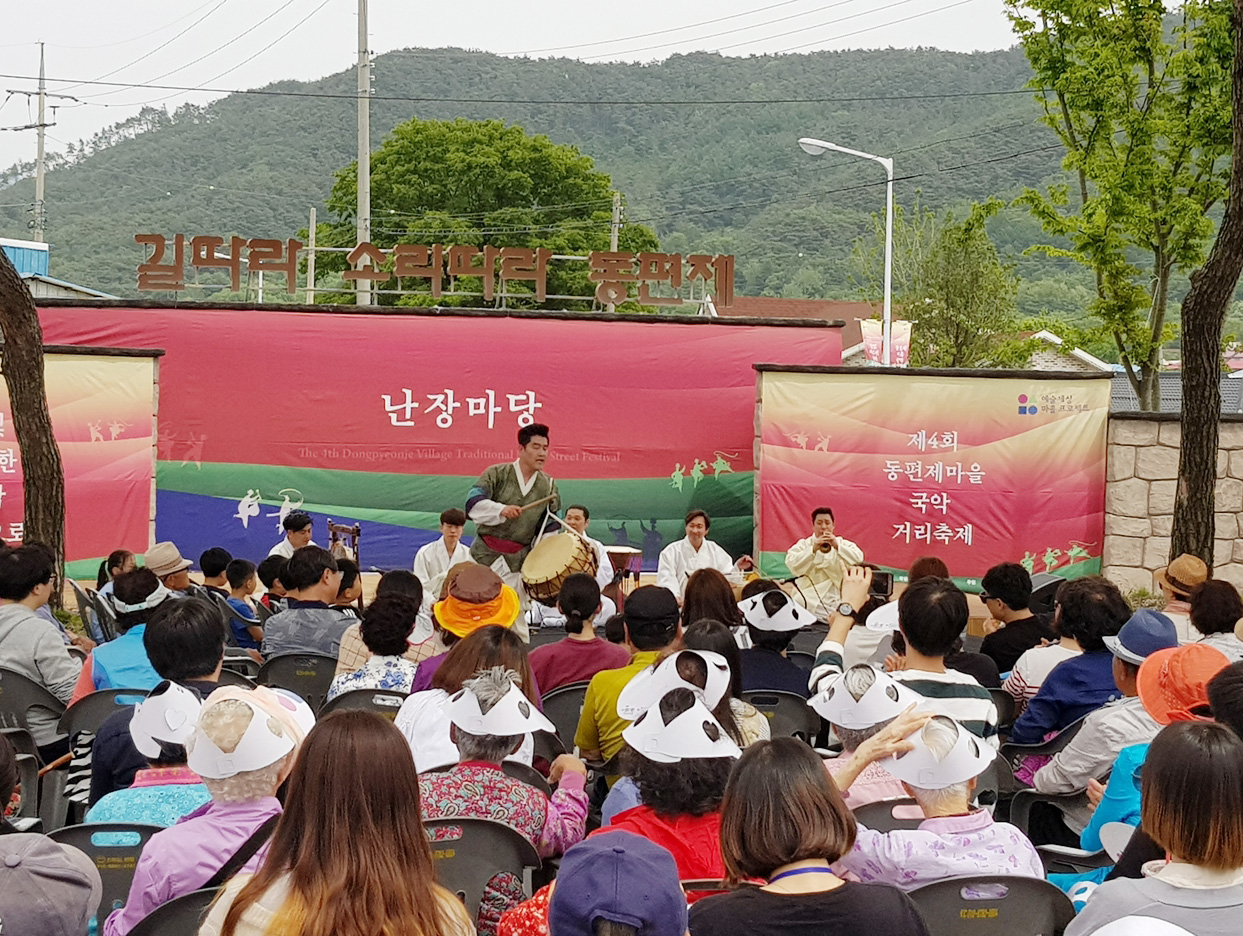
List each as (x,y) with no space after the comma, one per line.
(904,19)
(109,45)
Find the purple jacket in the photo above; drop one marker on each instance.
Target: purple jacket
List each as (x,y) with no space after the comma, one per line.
(184,857)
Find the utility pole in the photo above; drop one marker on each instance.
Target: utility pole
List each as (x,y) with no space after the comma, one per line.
(364,146)
(614,232)
(310,260)
(39,224)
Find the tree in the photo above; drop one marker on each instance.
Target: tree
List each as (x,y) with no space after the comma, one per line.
(1204,315)
(42,472)
(1141,103)
(949,280)
(482,183)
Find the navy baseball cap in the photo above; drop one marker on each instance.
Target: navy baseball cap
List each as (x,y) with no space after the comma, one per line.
(1145,633)
(620,877)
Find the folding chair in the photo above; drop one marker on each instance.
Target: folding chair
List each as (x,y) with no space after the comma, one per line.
(563,707)
(116,863)
(106,613)
(91,711)
(87,611)
(262,612)
(1005,708)
(382,702)
(802,659)
(993,905)
(528,775)
(879,816)
(470,852)
(308,674)
(181,916)
(1015,752)
(548,745)
(788,714)
(229,677)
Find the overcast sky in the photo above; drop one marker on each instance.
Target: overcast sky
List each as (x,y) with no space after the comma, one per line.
(157,42)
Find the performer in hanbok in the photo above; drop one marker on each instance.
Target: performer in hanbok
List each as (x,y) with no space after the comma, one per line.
(435,559)
(695,551)
(818,562)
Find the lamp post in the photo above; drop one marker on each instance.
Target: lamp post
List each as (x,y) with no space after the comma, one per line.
(815,147)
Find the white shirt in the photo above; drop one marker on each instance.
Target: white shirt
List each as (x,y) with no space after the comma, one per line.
(679,559)
(488,512)
(423,721)
(431,563)
(285,549)
(1032,669)
(819,574)
(604,565)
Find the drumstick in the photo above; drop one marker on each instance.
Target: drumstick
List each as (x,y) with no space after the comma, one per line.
(539,503)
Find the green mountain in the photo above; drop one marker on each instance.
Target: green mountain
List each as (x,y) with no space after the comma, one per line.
(703,147)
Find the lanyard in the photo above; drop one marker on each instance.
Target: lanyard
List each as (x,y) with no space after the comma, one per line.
(785,874)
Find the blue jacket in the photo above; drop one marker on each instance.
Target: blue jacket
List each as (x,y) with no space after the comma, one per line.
(1076,687)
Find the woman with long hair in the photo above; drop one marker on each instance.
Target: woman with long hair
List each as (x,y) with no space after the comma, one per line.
(118,561)
(709,595)
(349,856)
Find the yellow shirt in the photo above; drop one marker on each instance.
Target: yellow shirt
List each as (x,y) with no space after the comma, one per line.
(599,726)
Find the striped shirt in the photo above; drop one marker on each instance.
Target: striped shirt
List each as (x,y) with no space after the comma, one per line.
(951,693)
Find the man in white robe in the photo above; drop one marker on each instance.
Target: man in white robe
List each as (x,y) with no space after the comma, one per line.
(693,552)
(819,561)
(433,561)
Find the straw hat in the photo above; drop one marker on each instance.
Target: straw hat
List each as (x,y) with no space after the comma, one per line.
(1183,574)
(165,559)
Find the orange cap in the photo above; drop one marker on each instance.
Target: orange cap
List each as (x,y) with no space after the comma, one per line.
(1173,683)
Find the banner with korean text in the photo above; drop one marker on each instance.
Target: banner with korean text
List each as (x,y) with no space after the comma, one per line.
(101,406)
(977,469)
(387,417)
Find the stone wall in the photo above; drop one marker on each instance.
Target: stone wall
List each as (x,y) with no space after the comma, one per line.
(1141,473)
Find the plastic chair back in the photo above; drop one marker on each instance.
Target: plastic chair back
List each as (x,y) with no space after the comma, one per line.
(307,674)
(548,745)
(262,612)
(115,863)
(382,702)
(230,677)
(879,816)
(181,916)
(788,714)
(528,775)
(106,613)
(563,706)
(1011,751)
(242,662)
(469,852)
(18,695)
(993,905)
(802,659)
(1005,707)
(86,610)
(91,711)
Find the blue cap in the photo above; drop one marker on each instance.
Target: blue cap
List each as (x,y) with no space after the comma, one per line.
(620,877)
(1145,633)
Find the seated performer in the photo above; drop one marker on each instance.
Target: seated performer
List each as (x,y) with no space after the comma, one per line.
(578,518)
(818,562)
(498,504)
(693,552)
(435,559)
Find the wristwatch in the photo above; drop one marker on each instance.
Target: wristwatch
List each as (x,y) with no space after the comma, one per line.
(845,609)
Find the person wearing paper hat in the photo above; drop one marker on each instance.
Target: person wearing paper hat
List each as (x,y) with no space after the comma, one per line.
(859,704)
(489,717)
(1092,752)
(676,670)
(167,789)
(773,620)
(243,746)
(680,756)
(938,764)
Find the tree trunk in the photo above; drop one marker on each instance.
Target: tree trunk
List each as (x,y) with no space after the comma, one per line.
(22,363)
(1204,316)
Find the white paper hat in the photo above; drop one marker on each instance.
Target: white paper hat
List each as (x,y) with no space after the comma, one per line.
(513,714)
(168,714)
(884,618)
(693,734)
(886,698)
(258,748)
(649,686)
(791,617)
(296,706)
(920,768)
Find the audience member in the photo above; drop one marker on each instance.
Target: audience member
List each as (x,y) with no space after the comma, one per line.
(939,765)
(297,526)
(118,561)
(1216,610)
(422,718)
(400,582)
(123,663)
(438,640)
(489,719)
(784,822)
(243,580)
(745,723)
(859,704)
(1035,665)
(680,757)
(353,652)
(773,621)
(708,594)
(695,551)
(349,854)
(243,746)
(384,628)
(45,888)
(185,644)
(213,563)
(818,563)
(308,623)
(581,654)
(615,629)
(651,625)
(1091,753)
(1177,581)
(166,789)
(29,645)
(1007,592)
(350,588)
(1089,609)
(875,630)
(933,613)
(170,567)
(476,597)
(434,560)
(1193,809)
(269,572)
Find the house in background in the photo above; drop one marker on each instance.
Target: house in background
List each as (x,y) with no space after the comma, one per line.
(31,260)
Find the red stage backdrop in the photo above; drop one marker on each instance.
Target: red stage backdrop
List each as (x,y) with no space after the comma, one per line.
(977,469)
(387,417)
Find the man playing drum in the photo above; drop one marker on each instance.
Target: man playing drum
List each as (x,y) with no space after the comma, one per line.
(509,504)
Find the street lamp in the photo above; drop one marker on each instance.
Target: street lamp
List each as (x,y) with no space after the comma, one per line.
(815,147)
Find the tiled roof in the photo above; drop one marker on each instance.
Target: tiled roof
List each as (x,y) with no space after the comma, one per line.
(1123,399)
